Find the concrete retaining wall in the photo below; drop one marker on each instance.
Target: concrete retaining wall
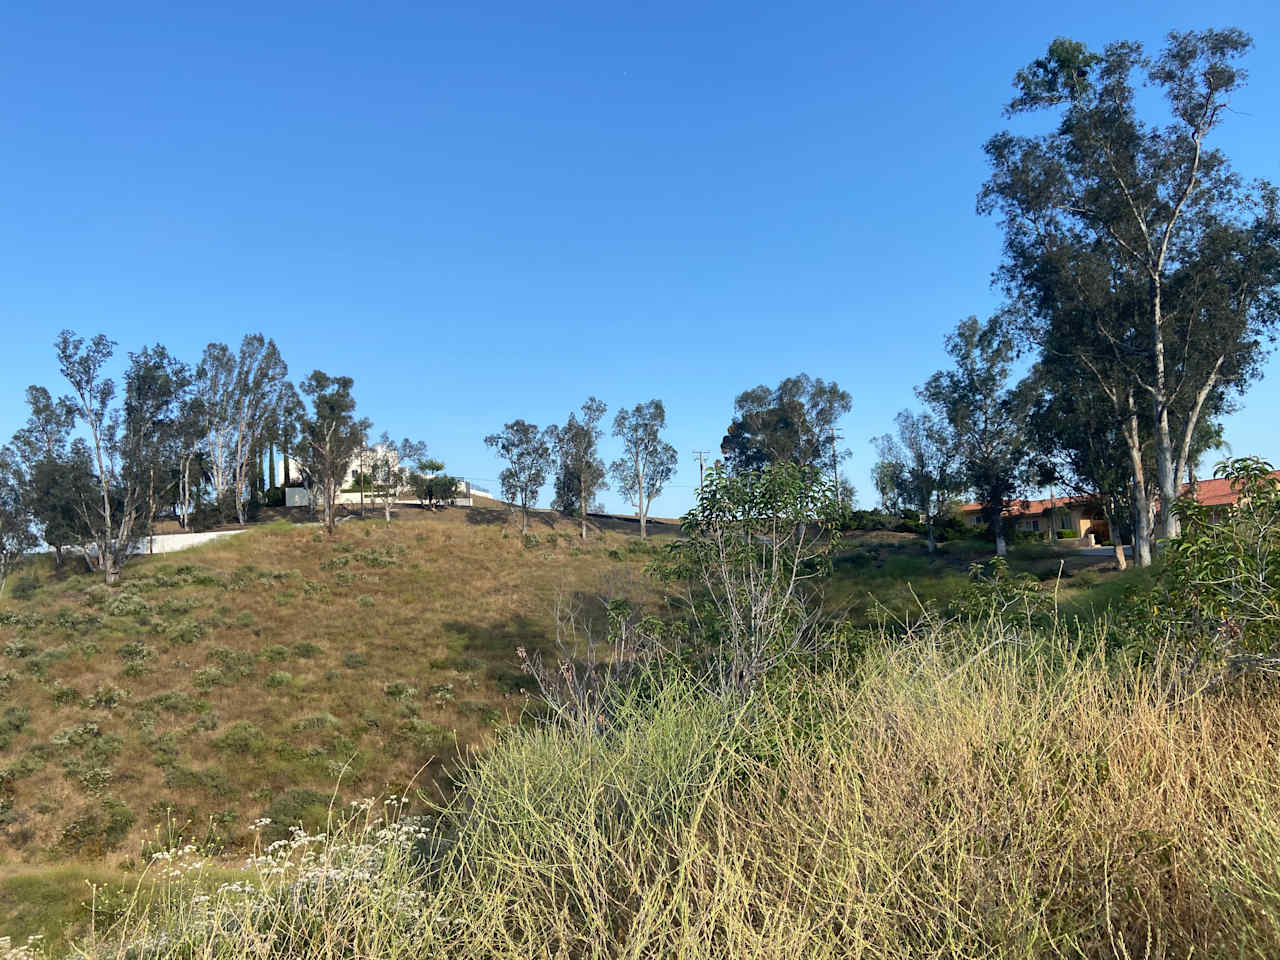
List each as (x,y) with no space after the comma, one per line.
(169,542)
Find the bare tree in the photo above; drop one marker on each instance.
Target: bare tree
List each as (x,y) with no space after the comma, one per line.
(756,549)
(596,651)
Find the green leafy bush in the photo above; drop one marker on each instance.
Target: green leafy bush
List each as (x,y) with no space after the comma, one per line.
(1219,589)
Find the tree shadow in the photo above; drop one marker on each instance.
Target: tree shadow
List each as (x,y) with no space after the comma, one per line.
(499,516)
(487,516)
(496,644)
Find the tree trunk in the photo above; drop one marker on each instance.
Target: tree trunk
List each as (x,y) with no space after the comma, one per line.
(1168,519)
(933,540)
(1002,548)
(1053,516)
(1141,527)
(284,452)
(1140,500)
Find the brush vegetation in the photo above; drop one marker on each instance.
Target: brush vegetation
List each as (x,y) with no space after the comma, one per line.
(943,797)
(984,776)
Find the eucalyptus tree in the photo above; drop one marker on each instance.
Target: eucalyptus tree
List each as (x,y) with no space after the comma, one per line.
(648,461)
(986,415)
(17,539)
(393,466)
(260,391)
(330,437)
(243,395)
(288,418)
(796,421)
(581,472)
(527,452)
(126,442)
(215,391)
(192,432)
(55,470)
(1140,254)
(922,466)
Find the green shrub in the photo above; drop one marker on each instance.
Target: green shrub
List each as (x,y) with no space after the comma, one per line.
(185,632)
(1218,593)
(24,588)
(97,830)
(399,691)
(173,701)
(107,696)
(206,678)
(65,696)
(243,738)
(12,722)
(126,603)
(426,737)
(294,807)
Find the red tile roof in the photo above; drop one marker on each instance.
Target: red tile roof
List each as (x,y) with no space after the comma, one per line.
(1215,492)
(1031,508)
(1211,493)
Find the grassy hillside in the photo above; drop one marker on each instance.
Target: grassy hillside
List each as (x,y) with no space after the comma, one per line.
(945,797)
(894,571)
(245,678)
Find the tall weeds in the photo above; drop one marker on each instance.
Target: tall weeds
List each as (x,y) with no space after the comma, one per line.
(947,798)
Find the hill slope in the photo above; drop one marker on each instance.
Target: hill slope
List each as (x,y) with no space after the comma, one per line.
(242,679)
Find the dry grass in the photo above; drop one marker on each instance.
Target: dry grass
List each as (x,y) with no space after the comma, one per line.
(242,678)
(945,799)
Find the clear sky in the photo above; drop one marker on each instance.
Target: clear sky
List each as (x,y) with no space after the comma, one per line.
(484,211)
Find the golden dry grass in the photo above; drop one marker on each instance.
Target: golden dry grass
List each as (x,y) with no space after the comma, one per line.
(125,731)
(947,799)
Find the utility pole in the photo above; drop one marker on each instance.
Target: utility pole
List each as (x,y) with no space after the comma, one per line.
(700,454)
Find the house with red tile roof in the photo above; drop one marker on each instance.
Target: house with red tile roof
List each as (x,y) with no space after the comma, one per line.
(1074,516)
(1079,516)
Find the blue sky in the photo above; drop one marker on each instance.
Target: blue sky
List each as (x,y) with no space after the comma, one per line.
(490,211)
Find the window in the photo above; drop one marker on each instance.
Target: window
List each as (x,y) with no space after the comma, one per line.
(1035,525)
